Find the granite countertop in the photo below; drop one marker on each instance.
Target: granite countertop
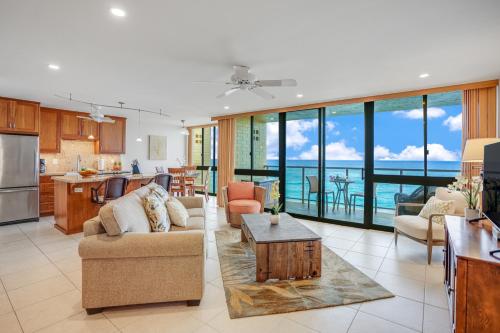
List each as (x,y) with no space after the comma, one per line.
(98,178)
(62,173)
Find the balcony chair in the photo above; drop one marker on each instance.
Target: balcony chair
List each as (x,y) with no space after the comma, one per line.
(314,189)
(206,184)
(353,196)
(426,231)
(114,188)
(242,198)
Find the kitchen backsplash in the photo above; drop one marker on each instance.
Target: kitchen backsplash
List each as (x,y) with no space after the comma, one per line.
(66,160)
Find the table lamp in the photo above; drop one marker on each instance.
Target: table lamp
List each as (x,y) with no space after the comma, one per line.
(474,149)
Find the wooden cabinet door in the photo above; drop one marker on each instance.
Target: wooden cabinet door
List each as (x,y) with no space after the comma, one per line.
(112,136)
(70,126)
(50,131)
(5,118)
(89,127)
(26,117)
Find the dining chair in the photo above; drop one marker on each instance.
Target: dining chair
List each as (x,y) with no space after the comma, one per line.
(189,181)
(206,184)
(178,185)
(112,188)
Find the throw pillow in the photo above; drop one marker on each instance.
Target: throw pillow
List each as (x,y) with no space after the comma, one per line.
(436,206)
(160,192)
(157,213)
(177,212)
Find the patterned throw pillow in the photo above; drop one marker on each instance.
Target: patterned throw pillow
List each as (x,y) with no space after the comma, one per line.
(160,192)
(436,206)
(157,213)
(177,212)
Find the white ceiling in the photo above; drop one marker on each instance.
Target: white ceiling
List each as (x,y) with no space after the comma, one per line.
(149,59)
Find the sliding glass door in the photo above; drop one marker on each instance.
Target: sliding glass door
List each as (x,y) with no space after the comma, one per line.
(204,155)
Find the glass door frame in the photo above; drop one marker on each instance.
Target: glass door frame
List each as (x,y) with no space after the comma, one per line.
(213,157)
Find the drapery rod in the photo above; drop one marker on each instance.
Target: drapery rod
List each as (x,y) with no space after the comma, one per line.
(121,107)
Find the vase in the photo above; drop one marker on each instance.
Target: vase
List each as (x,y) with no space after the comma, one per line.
(275,219)
(471,213)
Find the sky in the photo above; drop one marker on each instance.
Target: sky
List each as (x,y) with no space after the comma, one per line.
(398,136)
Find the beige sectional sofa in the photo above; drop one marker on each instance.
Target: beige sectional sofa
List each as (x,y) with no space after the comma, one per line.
(123,263)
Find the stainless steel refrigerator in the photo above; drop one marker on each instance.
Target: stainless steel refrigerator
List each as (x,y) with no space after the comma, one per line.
(19,178)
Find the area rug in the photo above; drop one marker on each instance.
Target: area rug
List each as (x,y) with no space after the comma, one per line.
(340,283)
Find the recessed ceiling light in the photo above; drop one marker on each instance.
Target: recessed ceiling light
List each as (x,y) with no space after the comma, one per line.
(118,12)
(54,67)
(424,75)
(226,107)
(300,95)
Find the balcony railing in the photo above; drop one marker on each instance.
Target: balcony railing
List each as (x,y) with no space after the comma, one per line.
(357,175)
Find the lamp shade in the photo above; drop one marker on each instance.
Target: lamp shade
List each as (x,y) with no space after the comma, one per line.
(474,149)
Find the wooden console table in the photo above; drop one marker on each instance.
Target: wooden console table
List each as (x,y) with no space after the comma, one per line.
(288,250)
(472,277)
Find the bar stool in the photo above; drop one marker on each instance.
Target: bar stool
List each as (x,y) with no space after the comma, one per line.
(163,179)
(114,188)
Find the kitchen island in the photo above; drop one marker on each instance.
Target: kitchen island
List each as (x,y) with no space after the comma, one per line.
(72,199)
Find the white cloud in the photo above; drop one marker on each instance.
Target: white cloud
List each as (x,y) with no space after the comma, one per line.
(437,152)
(454,123)
(333,151)
(419,113)
(295,129)
(330,125)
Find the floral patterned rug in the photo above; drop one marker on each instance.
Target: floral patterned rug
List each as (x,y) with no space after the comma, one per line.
(340,283)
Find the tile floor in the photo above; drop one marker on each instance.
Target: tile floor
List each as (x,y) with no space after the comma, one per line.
(40,286)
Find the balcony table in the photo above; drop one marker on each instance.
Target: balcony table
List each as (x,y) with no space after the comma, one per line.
(342,185)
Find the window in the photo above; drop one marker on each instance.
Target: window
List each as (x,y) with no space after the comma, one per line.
(204,155)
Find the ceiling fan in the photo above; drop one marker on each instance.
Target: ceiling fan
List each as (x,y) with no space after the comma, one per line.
(242,79)
(97,116)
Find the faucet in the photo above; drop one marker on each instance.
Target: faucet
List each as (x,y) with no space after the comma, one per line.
(78,161)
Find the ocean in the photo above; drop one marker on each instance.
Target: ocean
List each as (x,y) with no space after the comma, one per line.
(296,169)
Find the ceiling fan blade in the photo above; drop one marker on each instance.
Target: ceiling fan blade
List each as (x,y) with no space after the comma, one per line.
(261,92)
(276,83)
(228,92)
(84,117)
(210,82)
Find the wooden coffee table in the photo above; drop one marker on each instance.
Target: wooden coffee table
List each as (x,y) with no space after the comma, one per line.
(288,250)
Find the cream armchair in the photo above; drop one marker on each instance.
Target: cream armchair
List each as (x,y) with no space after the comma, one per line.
(426,231)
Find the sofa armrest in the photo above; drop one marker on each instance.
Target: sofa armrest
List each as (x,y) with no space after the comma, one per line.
(93,227)
(192,202)
(260,196)
(143,245)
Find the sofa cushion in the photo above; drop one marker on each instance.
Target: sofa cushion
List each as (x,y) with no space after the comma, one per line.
(125,214)
(157,213)
(240,190)
(177,212)
(436,206)
(143,191)
(244,206)
(160,192)
(196,212)
(416,226)
(193,223)
(457,197)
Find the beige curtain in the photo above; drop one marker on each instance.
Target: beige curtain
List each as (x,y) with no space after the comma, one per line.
(478,120)
(225,156)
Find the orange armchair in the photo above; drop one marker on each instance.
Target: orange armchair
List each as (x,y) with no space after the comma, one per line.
(242,198)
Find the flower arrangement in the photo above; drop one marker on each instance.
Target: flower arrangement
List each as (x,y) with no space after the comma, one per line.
(470,189)
(275,196)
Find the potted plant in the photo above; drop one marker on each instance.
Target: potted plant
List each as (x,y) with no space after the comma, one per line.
(470,189)
(275,209)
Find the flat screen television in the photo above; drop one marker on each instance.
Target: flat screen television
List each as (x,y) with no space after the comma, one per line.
(491,184)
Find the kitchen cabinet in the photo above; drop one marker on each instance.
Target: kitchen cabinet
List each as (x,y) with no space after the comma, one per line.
(50,131)
(46,196)
(74,128)
(112,136)
(18,116)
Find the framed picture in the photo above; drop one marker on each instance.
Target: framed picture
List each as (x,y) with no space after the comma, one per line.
(157,147)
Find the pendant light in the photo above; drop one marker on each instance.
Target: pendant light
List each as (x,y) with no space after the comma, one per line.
(139,138)
(184,130)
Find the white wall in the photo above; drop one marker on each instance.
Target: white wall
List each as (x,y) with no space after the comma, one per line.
(152,125)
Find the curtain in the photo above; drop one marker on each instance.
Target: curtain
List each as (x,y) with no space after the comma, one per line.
(225,155)
(478,120)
